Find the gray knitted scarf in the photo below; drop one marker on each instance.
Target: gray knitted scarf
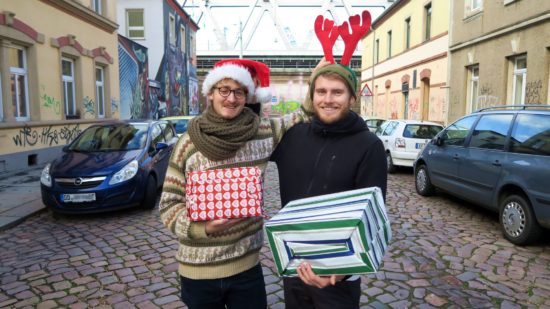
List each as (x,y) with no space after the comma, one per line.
(218,138)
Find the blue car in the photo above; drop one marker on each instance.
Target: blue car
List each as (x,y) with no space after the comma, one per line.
(110,166)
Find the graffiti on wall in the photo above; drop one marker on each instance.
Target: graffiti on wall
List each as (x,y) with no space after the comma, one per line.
(532,92)
(414,108)
(88,104)
(47,136)
(486,98)
(284,107)
(114,105)
(50,102)
(133,66)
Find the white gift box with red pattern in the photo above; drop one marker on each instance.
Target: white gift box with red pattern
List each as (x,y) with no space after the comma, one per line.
(224,193)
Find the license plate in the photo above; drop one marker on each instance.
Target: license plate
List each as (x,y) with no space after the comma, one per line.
(420,145)
(78,198)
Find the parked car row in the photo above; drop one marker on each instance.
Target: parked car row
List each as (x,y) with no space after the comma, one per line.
(498,158)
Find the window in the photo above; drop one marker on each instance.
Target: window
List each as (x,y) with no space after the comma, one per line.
(474,4)
(491,131)
(135,24)
(376,50)
(473,88)
(182,38)
(389,44)
(408,33)
(389,128)
(428,21)
(18,80)
(531,135)
(100,91)
(456,133)
(172,26)
(96,6)
(519,78)
(67,75)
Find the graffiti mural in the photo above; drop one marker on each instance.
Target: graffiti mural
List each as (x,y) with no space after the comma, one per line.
(133,66)
(177,71)
(193,97)
(48,136)
(285,107)
(50,102)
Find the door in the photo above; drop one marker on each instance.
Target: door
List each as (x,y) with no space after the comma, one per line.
(480,169)
(443,160)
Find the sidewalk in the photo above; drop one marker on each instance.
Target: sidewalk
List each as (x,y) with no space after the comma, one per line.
(19,196)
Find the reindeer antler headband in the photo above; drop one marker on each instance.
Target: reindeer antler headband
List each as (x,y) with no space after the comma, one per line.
(327,33)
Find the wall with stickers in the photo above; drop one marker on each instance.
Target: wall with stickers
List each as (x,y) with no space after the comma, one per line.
(56,79)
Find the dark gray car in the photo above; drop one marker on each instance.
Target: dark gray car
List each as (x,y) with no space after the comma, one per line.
(499,158)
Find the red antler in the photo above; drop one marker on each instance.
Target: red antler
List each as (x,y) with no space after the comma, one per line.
(358,31)
(327,34)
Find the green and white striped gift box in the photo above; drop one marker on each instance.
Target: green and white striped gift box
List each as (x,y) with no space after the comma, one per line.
(342,233)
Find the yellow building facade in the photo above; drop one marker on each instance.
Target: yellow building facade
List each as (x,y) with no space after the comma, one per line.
(405,62)
(58,75)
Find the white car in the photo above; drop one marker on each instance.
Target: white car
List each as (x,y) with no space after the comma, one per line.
(403,140)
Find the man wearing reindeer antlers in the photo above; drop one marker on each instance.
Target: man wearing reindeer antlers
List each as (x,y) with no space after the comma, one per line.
(334,153)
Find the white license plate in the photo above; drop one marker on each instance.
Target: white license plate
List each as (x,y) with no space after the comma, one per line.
(420,145)
(78,198)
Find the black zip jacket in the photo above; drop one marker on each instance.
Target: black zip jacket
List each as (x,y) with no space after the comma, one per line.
(316,158)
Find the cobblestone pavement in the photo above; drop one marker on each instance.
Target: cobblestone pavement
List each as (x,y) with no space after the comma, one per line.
(444,254)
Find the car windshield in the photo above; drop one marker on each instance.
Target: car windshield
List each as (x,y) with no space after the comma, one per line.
(112,137)
(421,131)
(181,125)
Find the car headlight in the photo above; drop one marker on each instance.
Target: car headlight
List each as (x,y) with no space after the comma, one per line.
(45,177)
(126,173)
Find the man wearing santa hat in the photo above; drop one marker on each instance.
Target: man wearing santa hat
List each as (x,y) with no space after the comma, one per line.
(219,259)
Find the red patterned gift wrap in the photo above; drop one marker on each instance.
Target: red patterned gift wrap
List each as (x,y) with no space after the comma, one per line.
(224,193)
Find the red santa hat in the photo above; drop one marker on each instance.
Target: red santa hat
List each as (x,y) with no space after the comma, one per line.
(254,75)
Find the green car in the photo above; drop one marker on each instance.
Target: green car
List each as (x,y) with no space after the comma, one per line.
(180,122)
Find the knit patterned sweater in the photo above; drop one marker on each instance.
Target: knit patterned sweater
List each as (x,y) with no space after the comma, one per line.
(236,249)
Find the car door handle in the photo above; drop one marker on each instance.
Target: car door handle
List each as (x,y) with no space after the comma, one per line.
(497,163)
(455,157)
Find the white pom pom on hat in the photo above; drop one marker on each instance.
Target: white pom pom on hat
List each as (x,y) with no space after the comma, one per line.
(245,72)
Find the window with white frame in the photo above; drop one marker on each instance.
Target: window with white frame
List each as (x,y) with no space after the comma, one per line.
(182,38)
(67,76)
(17,62)
(519,80)
(474,4)
(96,6)
(135,24)
(172,29)
(473,88)
(100,91)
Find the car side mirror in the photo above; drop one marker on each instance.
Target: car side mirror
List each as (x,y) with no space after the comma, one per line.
(438,141)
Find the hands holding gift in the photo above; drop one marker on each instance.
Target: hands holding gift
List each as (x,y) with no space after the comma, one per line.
(305,272)
(216,226)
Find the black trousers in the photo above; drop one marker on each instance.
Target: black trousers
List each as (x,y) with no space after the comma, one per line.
(244,290)
(343,295)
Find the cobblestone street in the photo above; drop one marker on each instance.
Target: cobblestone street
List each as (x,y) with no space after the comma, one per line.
(445,253)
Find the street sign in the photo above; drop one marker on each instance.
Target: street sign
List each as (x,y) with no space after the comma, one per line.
(365,92)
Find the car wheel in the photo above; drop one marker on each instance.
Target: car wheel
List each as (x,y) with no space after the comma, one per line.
(518,221)
(150,199)
(422,181)
(389,161)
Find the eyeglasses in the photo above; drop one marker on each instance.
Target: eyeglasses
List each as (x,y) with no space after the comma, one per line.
(226,91)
